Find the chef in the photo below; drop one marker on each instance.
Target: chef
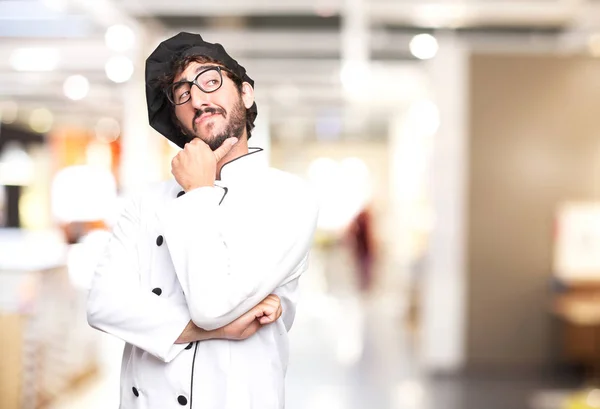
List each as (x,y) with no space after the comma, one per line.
(200,278)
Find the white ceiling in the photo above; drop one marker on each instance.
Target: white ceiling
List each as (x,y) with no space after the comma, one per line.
(293,49)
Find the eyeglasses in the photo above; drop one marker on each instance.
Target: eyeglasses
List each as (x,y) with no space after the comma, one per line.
(208,80)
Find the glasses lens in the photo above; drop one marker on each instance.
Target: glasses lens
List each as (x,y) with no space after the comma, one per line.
(179,93)
(209,81)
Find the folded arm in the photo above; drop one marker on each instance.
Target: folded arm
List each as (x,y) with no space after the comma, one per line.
(118,305)
(229,259)
(266,312)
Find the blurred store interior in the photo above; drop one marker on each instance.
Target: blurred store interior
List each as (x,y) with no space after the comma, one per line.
(458,141)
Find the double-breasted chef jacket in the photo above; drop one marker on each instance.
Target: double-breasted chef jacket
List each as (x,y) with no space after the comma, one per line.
(208,255)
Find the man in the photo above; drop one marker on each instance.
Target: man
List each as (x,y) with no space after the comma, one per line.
(201,268)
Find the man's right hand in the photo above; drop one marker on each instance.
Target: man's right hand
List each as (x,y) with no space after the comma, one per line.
(266,312)
(196,164)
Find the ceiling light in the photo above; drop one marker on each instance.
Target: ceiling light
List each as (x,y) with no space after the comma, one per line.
(119,69)
(41,120)
(34,59)
(76,87)
(424,46)
(119,38)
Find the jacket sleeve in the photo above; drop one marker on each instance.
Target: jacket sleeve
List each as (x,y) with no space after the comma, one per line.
(230,258)
(118,305)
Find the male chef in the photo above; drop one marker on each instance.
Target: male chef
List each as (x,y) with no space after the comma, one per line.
(200,278)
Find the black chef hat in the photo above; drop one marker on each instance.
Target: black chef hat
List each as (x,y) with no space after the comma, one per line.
(159,63)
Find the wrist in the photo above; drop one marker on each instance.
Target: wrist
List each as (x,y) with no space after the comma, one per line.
(204,335)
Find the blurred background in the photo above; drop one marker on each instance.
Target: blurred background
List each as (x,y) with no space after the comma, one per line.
(455,149)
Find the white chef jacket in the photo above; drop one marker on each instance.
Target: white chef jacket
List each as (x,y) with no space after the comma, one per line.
(208,255)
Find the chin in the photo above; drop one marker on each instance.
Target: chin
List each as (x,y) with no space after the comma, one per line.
(211,132)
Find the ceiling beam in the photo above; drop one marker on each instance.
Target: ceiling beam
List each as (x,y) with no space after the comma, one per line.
(418,12)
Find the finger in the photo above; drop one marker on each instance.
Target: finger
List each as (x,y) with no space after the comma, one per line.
(222,150)
(247,317)
(272,300)
(270,311)
(266,320)
(271,315)
(269,308)
(193,146)
(274,316)
(277,313)
(273,297)
(270,305)
(189,147)
(258,312)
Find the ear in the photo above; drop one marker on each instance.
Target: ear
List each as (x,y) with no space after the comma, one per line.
(247,95)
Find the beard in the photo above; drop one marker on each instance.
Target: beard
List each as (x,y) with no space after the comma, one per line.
(234,127)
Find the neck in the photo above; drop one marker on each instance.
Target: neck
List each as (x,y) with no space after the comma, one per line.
(239,149)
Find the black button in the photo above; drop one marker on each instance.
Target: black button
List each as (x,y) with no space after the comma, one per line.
(180,193)
(159,240)
(135,391)
(190,345)
(182,400)
(157,291)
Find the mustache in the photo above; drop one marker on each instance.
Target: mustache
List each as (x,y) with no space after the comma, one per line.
(207,110)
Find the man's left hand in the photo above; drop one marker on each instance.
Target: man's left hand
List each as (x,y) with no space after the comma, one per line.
(266,312)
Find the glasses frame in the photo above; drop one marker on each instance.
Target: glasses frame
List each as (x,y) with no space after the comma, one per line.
(195,82)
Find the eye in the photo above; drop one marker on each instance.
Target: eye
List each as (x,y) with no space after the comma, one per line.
(211,84)
(183,96)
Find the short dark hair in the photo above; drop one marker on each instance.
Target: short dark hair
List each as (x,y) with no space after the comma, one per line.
(179,64)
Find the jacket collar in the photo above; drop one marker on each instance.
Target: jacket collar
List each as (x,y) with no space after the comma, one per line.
(243,165)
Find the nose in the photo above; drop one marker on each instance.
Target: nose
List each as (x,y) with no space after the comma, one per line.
(199,98)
